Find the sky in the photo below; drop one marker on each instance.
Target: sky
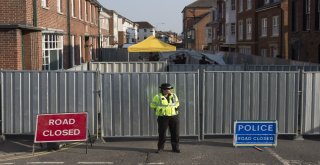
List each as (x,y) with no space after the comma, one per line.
(164,15)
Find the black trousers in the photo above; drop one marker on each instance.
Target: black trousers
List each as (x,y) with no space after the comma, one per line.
(173,123)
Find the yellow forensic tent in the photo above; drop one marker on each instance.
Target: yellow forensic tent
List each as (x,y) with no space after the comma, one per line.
(151,44)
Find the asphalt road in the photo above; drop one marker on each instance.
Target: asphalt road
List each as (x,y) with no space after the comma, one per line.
(210,151)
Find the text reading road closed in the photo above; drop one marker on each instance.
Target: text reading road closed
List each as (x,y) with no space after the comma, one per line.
(61,127)
(257,133)
(64,132)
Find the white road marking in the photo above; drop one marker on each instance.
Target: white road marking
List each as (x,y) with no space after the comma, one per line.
(6,163)
(95,162)
(295,161)
(45,162)
(252,164)
(283,161)
(41,153)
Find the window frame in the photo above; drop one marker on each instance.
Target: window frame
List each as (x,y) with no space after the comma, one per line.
(72,3)
(249,4)
(52,43)
(240,30)
(233,4)
(264,27)
(85,11)
(44,3)
(59,6)
(249,29)
(276,26)
(306,15)
(240,6)
(233,29)
(80,9)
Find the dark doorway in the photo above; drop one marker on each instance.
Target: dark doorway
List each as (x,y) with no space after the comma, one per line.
(87,49)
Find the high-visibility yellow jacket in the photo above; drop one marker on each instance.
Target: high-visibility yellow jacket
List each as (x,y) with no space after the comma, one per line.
(163,107)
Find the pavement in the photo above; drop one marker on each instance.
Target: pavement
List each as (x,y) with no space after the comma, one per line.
(218,151)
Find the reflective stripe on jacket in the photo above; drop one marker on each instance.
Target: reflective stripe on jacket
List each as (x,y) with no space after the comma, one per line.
(164,108)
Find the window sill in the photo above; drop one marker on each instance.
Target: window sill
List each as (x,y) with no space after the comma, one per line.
(45,7)
(60,13)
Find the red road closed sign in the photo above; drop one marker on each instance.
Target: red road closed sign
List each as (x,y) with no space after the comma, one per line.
(61,127)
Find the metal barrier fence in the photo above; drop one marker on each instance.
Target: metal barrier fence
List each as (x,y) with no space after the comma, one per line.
(126,100)
(195,67)
(82,67)
(212,99)
(311,104)
(282,67)
(26,94)
(120,67)
(231,96)
(238,58)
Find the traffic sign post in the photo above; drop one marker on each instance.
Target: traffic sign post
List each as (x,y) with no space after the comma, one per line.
(65,127)
(255,133)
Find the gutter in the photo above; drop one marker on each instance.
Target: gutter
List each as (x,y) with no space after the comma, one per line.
(69,36)
(99,39)
(35,16)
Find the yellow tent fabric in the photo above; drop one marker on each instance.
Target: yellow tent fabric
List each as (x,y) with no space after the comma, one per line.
(151,44)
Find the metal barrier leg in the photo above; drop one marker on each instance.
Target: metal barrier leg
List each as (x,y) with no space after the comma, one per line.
(300,107)
(2,139)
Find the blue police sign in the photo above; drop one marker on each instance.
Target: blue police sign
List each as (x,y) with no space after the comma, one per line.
(255,133)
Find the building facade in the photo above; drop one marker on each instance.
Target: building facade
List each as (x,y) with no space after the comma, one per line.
(246,26)
(230,25)
(145,30)
(104,29)
(304,30)
(48,35)
(196,17)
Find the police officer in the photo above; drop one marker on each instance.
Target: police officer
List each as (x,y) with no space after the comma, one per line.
(166,106)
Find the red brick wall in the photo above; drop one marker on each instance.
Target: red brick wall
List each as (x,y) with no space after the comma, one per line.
(266,42)
(121,38)
(308,49)
(50,18)
(21,12)
(10,49)
(13,11)
(191,16)
(243,16)
(200,33)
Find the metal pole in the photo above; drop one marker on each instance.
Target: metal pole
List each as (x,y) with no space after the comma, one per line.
(300,107)
(128,56)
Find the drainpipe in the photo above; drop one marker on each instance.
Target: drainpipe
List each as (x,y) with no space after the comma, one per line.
(69,35)
(22,52)
(35,17)
(99,39)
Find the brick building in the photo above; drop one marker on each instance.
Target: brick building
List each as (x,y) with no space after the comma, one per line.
(246,26)
(304,30)
(273,28)
(196,17)
(48,35)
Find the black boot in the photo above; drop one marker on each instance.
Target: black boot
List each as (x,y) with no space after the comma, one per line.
(175,148)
